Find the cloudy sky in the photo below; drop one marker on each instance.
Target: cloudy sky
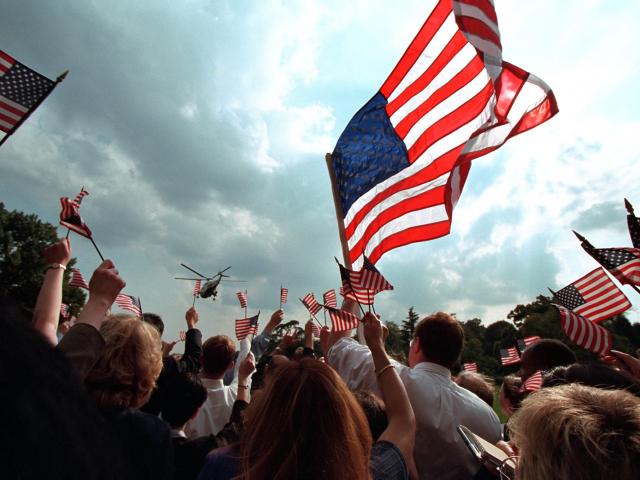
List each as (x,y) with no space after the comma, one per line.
(200,127)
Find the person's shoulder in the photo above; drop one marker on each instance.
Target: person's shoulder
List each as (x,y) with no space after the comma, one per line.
(387,462)
(142,422)
(221,463)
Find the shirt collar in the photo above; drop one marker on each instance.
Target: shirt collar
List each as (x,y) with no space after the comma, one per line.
(433,368)
(212,383)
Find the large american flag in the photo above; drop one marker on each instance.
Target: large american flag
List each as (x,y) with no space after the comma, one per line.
(129,302)
(584,332)
(246,326)
(242,298)
(402,161)
(342,320)
(623,263)
(634,225)
(77,280)
(329,298)
(509,356)
(70,214)
(593,296)
(309,301)
(21,89)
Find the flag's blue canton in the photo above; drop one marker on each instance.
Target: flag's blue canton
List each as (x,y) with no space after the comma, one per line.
(570,297)
(368,152)
(24,86)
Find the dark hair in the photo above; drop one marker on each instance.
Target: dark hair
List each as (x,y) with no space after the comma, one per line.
(511,385)
(441,337)
(548,353)
(155,320)
(597,375)
(217,353)
(479,384)
(50,427)
(184,394)
(374,410)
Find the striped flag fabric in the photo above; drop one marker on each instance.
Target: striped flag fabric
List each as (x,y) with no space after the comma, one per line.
(70,214)
(329,298)
(623,263)
(371,278)
(196,288)
(527,341)
(77,280)
(342,320)
(360,295)
(242,297)
(21,91)
(533,383)
(309,301)
(64,310)
(401,163)
(583,332)
(130,303)
(284,293)
(634,225)
(509,356)
(593,296)
(315,330)
(470,367)
(246,326)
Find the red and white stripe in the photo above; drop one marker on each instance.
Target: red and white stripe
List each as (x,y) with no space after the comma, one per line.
(509,356)
(78,199)
(64,310)
(603,299)
(246,326)
(315,329)
(446,107)
(242,297)
(342,320)
(470,367)
(77,280)
(196,288)
(533,383)
(629,273)
(329,298)
(10,112)
(284,293)
(127,302)
(585,333)
(528,341)
(309,301)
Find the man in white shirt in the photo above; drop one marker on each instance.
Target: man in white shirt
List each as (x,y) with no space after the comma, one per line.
(438,403)
(218,355)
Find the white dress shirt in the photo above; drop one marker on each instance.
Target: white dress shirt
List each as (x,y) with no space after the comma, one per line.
(439,406)
(216,410)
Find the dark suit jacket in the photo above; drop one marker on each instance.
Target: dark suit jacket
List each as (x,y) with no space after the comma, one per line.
(189,362)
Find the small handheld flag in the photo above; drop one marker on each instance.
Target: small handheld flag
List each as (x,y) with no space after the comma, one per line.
(342,320)
(64,310)
(623,263)
(129,302)
(77,280)
(329,298)
(311,303)
(246,326)
(524,343)
(633,223)
(242,297)
(284,292)
(533,383)
(470,367)
(583,332)
(509,356)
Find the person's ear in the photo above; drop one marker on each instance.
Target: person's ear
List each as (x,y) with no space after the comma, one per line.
(415,345)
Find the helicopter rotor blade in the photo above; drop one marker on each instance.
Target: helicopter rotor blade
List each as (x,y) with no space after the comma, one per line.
(182,278)
(235,281)
(197,273)
(221,272)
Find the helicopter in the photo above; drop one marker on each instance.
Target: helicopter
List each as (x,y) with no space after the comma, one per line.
(210,286)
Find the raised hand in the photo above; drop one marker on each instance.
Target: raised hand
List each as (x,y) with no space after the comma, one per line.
(192,317)
(59,252)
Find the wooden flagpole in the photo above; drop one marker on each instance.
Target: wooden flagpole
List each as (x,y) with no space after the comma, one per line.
(60,78)
(343,236)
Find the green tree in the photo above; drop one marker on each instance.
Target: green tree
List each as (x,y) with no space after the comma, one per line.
(23,237)
(394,343)
(408,328)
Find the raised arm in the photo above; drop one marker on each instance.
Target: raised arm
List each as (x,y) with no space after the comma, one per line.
(190,360)
(47,310)
(261,342)
(402,423)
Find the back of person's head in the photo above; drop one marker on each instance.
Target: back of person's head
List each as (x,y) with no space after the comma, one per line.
(510,394)
(217,355)
(183,395)
(126,372)
(304,423)
(477,383)
(441,337)
(155,320)
(375,411)
(544,355)
(579,433)
(50,427)
(592,374)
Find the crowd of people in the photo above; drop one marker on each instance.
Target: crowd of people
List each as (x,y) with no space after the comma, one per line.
(102,399)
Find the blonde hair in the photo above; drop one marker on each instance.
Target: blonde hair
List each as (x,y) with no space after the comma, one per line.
(579,433)
(305,423)
(126,372)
